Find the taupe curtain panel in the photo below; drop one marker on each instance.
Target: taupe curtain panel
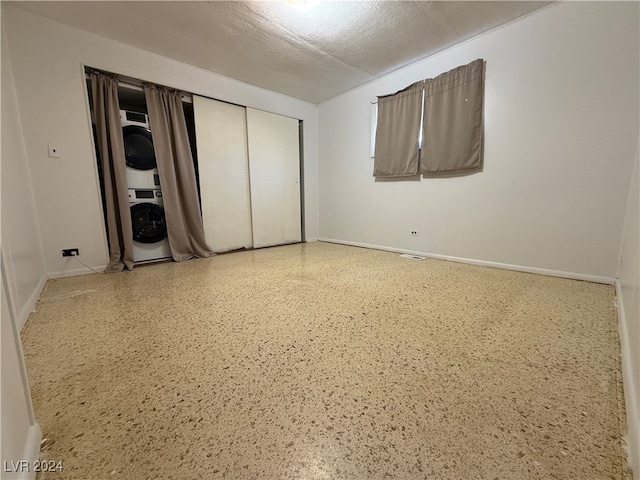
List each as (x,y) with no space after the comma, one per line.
(397,132)
(177,174)
(453,121)
(104,90)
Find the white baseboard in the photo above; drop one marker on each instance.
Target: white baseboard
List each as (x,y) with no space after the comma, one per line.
(312,239)
(631,391)
(32,448)
(23,315)
(505,266)
(75,271)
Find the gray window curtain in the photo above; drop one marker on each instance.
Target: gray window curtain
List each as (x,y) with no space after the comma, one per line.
(110,146)
(177,174)
(398,127)
(452,127)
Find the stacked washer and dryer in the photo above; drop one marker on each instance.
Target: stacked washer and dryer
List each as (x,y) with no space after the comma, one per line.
(150,240)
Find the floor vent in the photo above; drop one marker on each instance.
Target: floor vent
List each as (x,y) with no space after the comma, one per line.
(414,257)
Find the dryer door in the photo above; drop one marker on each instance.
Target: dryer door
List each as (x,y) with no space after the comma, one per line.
(138,147)
(148,222)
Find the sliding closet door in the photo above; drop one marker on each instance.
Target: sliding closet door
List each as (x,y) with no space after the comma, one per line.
(221,139)
(274,170)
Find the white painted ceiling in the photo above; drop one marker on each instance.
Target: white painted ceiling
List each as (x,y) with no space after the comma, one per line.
(335,47)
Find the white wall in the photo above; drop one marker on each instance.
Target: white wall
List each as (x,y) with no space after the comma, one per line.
(21,244)
(22,273)
(561,124)
(47,60)
(628,289)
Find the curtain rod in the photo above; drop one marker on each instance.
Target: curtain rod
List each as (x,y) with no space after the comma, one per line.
(135,84)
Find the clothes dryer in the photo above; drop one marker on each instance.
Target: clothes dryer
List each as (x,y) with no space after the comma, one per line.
(142,170)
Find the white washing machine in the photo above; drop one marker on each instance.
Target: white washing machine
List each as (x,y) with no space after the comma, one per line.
(142,170)
(150,240)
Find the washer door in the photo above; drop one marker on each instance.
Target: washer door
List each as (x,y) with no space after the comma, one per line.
(149,225)
(138,147)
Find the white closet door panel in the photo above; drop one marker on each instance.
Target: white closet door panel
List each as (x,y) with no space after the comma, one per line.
(274,171)
(221,140)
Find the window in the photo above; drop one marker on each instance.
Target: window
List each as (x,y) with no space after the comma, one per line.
(433,126)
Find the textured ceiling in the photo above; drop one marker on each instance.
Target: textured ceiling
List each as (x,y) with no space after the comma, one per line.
(336,46)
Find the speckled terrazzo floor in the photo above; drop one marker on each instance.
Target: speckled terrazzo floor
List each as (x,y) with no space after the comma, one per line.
(321,361)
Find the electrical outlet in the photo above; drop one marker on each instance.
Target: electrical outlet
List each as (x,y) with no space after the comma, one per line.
(70,252)
(414,233)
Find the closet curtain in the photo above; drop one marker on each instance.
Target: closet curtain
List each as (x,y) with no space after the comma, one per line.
(110,147)
(177,174)
(398,127)
(452,126)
